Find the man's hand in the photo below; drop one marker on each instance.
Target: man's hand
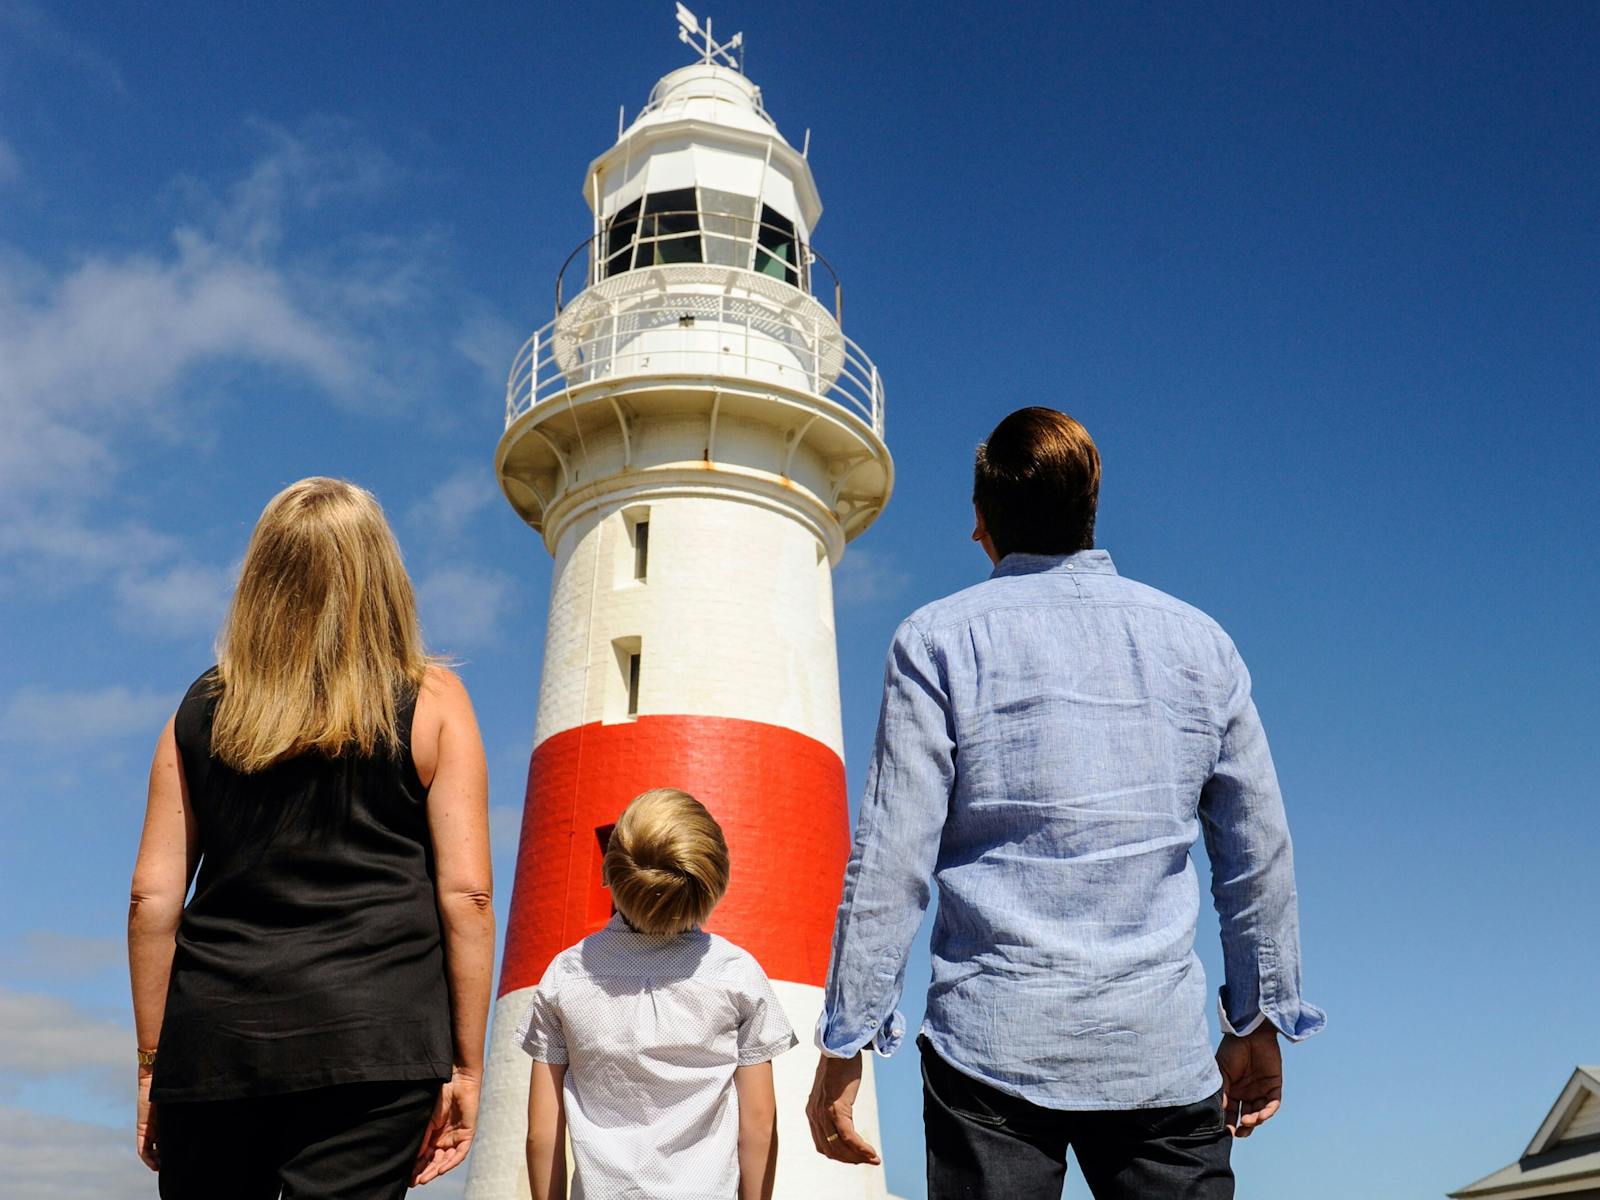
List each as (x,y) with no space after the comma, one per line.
(830,1111)
(1252,1079)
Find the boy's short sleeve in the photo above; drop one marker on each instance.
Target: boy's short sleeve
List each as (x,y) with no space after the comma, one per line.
(764,1029)
(541,1033)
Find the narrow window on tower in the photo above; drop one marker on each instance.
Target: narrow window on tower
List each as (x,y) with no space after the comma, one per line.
(641,549)
(631,558)
(621,701)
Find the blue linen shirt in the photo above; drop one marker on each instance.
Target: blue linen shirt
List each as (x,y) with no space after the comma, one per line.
(1051,745)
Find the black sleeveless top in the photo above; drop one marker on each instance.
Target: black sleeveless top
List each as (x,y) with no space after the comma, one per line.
(310,953)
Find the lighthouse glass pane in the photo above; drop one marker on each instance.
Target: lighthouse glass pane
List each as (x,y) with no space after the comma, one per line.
(728,221)
(670,230)
(777,255)
(633,684)
(619,239)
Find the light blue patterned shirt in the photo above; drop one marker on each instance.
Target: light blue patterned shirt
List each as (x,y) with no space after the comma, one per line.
(1052,743)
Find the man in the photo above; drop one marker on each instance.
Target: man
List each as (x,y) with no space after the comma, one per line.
(1052,743)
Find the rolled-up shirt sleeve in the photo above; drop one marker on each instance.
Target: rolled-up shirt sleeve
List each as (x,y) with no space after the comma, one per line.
(888,878)
(1252,877)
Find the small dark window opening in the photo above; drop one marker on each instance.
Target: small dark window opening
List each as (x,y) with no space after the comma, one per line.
(633,684)
(641,549)
(673,219)
(619,240)
(777,251)
(600,906)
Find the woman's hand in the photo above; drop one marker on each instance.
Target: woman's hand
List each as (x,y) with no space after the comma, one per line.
(450,1132)
(145,1123)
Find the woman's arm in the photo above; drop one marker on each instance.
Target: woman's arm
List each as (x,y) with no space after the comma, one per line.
(547,1132)
(168,853)
(758,1131)
(448,753)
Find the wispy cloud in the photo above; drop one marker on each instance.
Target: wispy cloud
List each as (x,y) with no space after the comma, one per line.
(31,27)
(46,1035)
(445,511)
(46,955)
(40,715)
(868,577)
(56,1158)
(98,362)
(184,600)
(491,343)
(462,606)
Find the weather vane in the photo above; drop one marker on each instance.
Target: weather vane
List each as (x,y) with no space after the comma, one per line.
(690,34)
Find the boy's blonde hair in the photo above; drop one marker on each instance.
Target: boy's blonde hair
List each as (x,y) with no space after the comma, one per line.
(666,863)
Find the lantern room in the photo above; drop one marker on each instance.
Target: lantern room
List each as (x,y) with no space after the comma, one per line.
(702,175)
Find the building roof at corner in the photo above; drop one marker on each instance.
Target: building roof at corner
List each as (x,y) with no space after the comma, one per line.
(1564,1154)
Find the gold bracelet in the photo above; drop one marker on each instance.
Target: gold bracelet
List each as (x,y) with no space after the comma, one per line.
(147,1058)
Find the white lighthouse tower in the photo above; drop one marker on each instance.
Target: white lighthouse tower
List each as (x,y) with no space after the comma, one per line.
(696,439)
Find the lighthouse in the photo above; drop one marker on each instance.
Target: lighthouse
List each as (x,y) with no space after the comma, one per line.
(695,439)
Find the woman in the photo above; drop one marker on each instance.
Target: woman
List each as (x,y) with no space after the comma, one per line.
(312,1021)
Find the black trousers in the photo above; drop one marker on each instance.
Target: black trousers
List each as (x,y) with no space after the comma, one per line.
(986,1145)
(356,1141)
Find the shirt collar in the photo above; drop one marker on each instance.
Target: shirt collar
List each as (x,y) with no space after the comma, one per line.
(1089,562)
(619,923)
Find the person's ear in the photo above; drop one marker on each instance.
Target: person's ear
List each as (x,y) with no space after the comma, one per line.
(980,534)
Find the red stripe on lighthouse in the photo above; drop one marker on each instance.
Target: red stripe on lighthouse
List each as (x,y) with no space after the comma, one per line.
(779,796)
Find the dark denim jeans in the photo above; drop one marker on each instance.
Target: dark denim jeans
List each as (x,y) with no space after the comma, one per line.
(986,1145)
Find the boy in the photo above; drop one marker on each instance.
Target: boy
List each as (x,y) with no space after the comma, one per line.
(653,1040)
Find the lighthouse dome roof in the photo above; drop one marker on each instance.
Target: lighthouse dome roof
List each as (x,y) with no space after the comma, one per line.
(707,92)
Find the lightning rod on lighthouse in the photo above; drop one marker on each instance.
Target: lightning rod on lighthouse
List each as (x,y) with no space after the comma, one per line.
(695,439)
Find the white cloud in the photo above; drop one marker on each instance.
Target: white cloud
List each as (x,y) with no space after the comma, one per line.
(46,1035)
(182,600)
(98,361)
(46,955)
(867,577)
(445,512)
(39,715)
(463,606)
(57,1158)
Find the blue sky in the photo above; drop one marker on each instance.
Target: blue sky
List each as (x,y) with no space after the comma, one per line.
(1320,279)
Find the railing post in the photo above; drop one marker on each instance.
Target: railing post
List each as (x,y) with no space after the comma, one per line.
(816,359)
(877,403)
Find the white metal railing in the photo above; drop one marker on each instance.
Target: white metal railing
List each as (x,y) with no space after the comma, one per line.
(654,323)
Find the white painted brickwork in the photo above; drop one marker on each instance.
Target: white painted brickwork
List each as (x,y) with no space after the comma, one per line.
(734,619)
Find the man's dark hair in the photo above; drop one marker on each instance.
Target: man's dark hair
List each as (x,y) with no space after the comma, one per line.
(1037,484)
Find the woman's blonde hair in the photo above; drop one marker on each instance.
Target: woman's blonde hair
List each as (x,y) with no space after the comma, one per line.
(666,863)
(321,643)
